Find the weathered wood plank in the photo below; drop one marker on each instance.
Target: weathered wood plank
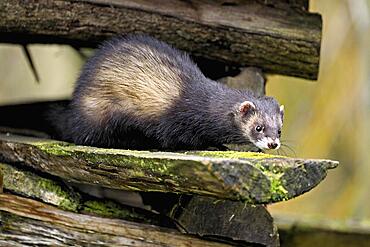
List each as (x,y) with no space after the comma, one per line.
(215,218)
(60,195)
(279,39)
(25,222)
(250,177)
(46,190)
(301,4)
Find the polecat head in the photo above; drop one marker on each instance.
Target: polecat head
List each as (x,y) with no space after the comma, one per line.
(261,122)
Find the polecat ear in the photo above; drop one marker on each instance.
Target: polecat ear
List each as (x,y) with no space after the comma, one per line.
(246,107)
(282,110)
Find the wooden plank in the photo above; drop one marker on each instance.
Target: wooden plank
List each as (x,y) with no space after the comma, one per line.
(279,39)
(300,4)
(28,184)
(25,222)
(55,192)
(236,221)
(250,177)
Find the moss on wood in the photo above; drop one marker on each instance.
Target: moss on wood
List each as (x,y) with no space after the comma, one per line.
(110,209)
(46,190)
(56,193)
(26,222)
(234,154)
(250,177)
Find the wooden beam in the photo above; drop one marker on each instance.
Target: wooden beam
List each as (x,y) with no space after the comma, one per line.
(55,192)
(250,177)
(215,218)
(28,222)
(300,4)
(28,184)
(279,39)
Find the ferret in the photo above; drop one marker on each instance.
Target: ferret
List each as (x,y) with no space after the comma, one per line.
(137,92)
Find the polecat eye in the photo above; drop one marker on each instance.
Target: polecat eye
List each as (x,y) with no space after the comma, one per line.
(279,132)
(259,128)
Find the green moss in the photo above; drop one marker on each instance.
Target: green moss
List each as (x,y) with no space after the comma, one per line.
(138,166)
(278,192)
(53,147)
(104,208)
(110,209)
(64,198)
(32,185)
(274,173)
(234,154)
(159,167)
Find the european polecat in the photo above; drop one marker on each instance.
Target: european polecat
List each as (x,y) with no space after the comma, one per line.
(137,92)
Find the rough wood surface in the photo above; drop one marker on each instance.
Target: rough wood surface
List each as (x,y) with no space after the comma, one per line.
(210,217)
(250,177)
(58,194)
(277,38)
(30,185)
(301,4)
(25,222)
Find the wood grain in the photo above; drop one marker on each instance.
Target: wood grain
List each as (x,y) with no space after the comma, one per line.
(278,38)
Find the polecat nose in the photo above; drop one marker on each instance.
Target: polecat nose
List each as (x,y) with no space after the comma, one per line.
(272,145)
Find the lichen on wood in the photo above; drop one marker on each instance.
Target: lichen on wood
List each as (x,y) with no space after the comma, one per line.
(46,190)
(252,178)
(111,209)
(56,193)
